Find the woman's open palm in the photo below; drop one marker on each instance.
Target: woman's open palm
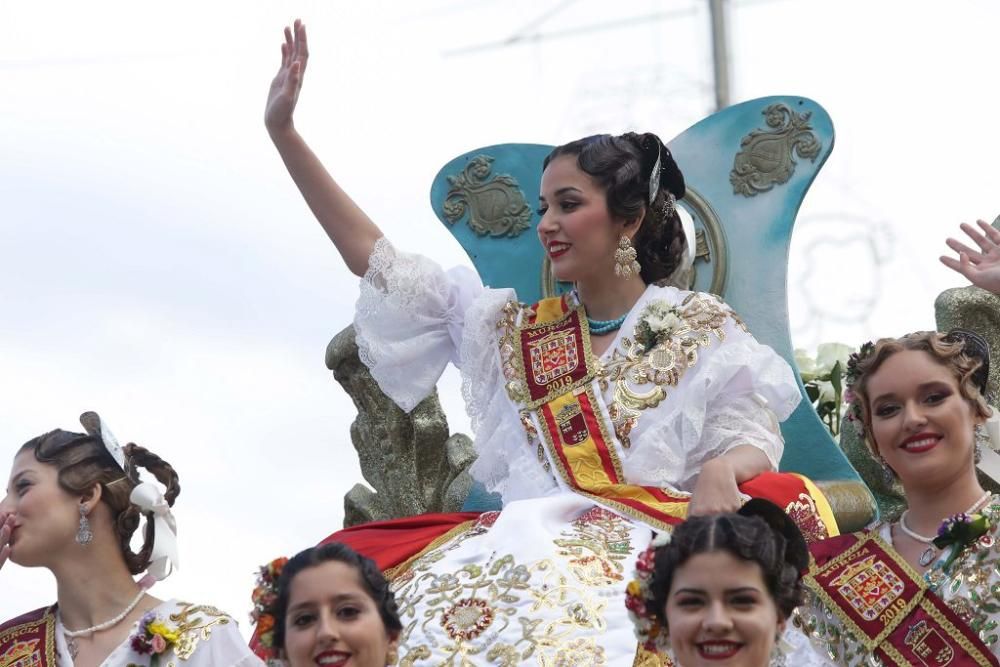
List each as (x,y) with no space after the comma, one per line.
(288,81)
(981,267)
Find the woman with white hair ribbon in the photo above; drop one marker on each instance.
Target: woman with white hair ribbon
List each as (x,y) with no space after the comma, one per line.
(73,504)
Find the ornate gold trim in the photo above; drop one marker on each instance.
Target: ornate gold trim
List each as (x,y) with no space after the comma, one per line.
(401,568)
(848,623)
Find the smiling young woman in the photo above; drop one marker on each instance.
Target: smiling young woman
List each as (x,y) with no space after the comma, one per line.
(720,589)
(328,605)
(924,585)
(73,503)
(621,405)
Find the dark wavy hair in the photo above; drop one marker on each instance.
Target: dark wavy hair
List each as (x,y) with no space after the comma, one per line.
(760,533)
(622,166)
(371,580)
(82,461)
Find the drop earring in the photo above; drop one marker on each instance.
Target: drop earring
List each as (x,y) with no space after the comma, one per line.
(84,535)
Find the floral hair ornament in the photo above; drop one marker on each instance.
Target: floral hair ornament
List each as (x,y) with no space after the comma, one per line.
(639,599)
(163,559)
(265,596)
(851,375)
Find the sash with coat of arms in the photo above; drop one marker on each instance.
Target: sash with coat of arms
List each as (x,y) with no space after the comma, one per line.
(888,607)
(550,371)
(29,640)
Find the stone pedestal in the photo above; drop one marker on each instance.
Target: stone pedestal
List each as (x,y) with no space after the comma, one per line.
(410,460)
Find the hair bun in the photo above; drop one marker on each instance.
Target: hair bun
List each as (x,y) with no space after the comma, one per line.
(796,550)
(975,346)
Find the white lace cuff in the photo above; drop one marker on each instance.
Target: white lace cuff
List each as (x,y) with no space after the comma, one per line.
(409,319)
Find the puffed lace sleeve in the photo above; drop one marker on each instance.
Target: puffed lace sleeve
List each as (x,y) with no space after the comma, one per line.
(749,390)
(736,393)
(409,321)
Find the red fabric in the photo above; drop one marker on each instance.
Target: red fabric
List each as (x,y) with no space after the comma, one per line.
(780,488)
(392,542)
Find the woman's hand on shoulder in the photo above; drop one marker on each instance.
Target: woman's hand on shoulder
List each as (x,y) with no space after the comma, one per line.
(287,82)
(716,490)
(6,528)
(982,267)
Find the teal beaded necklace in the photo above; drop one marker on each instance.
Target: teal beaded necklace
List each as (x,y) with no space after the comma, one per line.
(601,327)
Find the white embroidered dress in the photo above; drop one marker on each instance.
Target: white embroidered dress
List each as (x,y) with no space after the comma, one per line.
(544,581)
(207,638)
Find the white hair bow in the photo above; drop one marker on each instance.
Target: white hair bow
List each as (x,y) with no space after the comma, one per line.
(163,559)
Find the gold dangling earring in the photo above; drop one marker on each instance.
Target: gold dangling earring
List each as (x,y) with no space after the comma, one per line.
(626,264)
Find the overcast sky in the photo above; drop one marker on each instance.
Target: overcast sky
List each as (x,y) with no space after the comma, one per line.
(157,264)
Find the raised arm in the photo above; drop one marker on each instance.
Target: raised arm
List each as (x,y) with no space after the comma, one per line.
(981,268)
(350,229)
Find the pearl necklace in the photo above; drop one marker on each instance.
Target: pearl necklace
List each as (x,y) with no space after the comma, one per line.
(71,635)
(928,555)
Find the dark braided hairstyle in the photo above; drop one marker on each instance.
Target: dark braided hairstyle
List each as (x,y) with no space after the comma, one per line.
(760,533)
(622,166)
(83,461)
(371,579)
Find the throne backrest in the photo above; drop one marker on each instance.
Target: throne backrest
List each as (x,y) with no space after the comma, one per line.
(747,170)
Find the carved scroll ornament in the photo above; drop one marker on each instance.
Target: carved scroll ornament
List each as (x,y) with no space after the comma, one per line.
(765,158)
(496,206)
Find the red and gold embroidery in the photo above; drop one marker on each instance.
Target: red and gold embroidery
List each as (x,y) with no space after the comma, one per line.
(29,641)
(887,606)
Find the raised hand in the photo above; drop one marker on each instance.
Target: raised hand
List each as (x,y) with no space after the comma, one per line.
(6,528)
(981,268)
(288,81)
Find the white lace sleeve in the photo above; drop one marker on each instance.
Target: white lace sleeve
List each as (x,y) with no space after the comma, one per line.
(409,321)
(743,420)
(749,390)
(735,394)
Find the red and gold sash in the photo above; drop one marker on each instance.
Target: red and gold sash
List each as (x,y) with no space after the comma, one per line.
(554,361)
(887,606)
(29,640)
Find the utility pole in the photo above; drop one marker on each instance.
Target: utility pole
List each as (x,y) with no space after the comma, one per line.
(718,9)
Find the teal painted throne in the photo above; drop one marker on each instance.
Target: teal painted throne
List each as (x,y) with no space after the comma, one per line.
(747,169)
